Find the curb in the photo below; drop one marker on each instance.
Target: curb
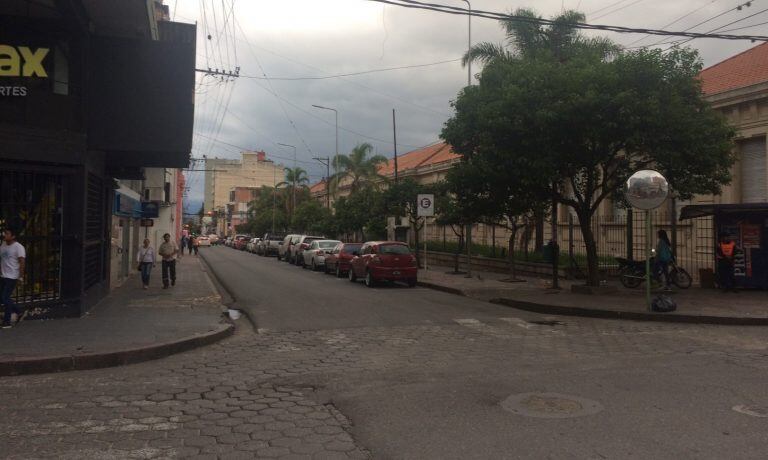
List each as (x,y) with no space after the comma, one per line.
(630,315)
(439,287)
(218,282)
(46,364)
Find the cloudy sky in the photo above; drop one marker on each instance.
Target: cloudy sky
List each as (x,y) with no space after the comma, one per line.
(285,39)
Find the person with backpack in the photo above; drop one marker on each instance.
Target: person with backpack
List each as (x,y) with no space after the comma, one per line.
(663,257)
(12,263)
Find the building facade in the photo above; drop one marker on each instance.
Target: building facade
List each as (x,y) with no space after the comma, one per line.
(225,176)
(93,93)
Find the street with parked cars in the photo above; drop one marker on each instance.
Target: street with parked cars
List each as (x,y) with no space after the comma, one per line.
(373,262)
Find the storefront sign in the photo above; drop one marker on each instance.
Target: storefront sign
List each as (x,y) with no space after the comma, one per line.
(147,222)
(150,209)
(20,62)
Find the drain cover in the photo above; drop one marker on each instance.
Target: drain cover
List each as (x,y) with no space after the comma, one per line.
(550,405)
(752,411)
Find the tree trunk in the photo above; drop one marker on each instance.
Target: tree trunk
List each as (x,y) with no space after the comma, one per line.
(457,254)
(593,268)
(511,255)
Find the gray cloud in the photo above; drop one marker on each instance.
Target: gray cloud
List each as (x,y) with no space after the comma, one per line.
(302,42)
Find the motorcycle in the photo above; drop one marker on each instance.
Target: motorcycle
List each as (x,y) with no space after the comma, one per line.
(632,273)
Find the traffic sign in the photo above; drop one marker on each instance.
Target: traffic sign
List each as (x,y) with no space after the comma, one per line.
(425,205)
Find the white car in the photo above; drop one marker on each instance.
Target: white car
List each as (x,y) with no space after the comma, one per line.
(203,241)
(251,246)
(314,256)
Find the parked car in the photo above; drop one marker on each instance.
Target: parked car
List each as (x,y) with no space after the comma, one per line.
(284,250)
(297,250)
(270,244)
(251,246)
(203,241)
(228,241)
(378,261)
(314,255)
(337,261)
(241,241)
(214,238)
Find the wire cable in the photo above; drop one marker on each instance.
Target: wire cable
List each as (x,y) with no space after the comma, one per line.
(352,74)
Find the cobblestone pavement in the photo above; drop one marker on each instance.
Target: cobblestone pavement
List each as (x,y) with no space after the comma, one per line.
(267,395)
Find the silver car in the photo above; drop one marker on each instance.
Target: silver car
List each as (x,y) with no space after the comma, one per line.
(314,256)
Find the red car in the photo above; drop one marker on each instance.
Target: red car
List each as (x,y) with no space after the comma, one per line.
(383,261)
(337,261)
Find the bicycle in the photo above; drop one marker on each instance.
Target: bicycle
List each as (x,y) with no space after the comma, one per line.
(632,274)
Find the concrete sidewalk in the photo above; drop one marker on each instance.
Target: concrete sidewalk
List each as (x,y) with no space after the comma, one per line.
(129,325)
(694,305)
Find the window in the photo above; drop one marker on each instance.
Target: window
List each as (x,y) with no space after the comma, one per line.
(232,196)
(350,248)
(394,249)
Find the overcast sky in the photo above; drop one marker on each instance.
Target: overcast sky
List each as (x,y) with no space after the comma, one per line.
(315,38)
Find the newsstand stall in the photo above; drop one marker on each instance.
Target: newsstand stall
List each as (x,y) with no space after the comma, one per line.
(747,226)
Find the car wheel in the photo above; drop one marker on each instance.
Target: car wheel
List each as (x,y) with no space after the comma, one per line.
(314,266)
(278,257)
(412,282)
(351,275)
(369,281)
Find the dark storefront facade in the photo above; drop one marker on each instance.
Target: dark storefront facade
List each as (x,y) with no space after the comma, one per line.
(89,92)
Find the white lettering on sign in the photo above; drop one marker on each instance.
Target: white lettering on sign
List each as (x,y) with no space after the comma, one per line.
(22,61)
(18,91)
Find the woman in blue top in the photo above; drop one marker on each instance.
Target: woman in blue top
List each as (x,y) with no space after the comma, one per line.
(663,257)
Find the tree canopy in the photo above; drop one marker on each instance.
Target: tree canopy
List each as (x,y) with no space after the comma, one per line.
(360,167)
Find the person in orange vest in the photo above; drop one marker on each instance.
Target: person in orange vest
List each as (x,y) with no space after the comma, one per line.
(725,252)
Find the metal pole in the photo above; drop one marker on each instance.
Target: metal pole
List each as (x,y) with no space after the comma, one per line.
(425,243)
(469,41)
(394,132)
(294,174)
(648,259)
(274,195)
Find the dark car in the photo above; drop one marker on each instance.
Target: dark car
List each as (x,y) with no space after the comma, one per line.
(337,261)
(384,261)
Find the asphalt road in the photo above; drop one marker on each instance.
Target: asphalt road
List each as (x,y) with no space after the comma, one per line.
(284,297)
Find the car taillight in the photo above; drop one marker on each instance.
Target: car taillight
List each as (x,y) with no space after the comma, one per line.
(319,252)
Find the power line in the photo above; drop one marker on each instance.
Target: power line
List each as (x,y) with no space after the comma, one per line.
(549,22)
(618,9)
(721,27)
(664,27)
(351,74)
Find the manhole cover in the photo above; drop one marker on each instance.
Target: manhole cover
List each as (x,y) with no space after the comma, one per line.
(752,411)
(548,323)
(550,405)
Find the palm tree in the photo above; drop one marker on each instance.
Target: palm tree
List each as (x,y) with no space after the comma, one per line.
(294,178)
(527,38)
(357,166)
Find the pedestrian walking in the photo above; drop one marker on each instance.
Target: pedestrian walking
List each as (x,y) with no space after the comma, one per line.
(168,252)
(182,245)
(196,244)
(725,252)
(12,262)
(663,258)
(146,258)
(191,243)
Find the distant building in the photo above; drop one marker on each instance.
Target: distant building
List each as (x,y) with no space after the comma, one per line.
(223,176)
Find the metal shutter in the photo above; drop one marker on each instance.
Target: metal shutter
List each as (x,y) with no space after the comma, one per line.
(754,183)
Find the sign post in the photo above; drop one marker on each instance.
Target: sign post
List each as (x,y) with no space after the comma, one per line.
(647,189)
(425,204)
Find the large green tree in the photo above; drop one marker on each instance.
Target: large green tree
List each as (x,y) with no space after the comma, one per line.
(296,182)
(360,167)
(579,126)
(361,214)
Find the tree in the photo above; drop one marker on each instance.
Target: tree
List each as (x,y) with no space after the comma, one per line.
(400,199)
(361,214)
(311,217)
(295,179)
(358,166)
(579,127)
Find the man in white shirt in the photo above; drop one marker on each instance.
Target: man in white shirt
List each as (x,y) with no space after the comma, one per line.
(12,258)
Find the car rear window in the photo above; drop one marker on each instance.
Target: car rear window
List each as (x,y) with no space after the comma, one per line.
(394,249)
(327,244)
(350,248)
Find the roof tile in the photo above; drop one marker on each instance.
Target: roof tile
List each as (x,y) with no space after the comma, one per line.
(744,69)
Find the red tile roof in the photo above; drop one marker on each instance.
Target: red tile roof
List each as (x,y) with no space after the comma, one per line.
(744,69)
(427,156)
(318,187)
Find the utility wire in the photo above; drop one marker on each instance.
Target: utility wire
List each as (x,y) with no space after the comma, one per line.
(617,9)
(351,74)
(664,27)
(719,15)
(721,27)
(577,25)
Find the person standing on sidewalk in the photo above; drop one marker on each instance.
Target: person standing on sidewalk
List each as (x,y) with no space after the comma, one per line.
(196,244)
(191,243)
(663,258)
(146,260)
(183,245)
(725,251)
(168,251)
(12,262)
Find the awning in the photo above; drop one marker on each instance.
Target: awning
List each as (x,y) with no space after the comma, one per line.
(702,210)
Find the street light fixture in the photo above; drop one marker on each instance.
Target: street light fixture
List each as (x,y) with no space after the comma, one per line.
(469,83)
(294,173)
(336,114)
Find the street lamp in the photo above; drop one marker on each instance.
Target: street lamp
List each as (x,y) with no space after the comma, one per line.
(336,114)
(294,173)
(469,83)
(327,162)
